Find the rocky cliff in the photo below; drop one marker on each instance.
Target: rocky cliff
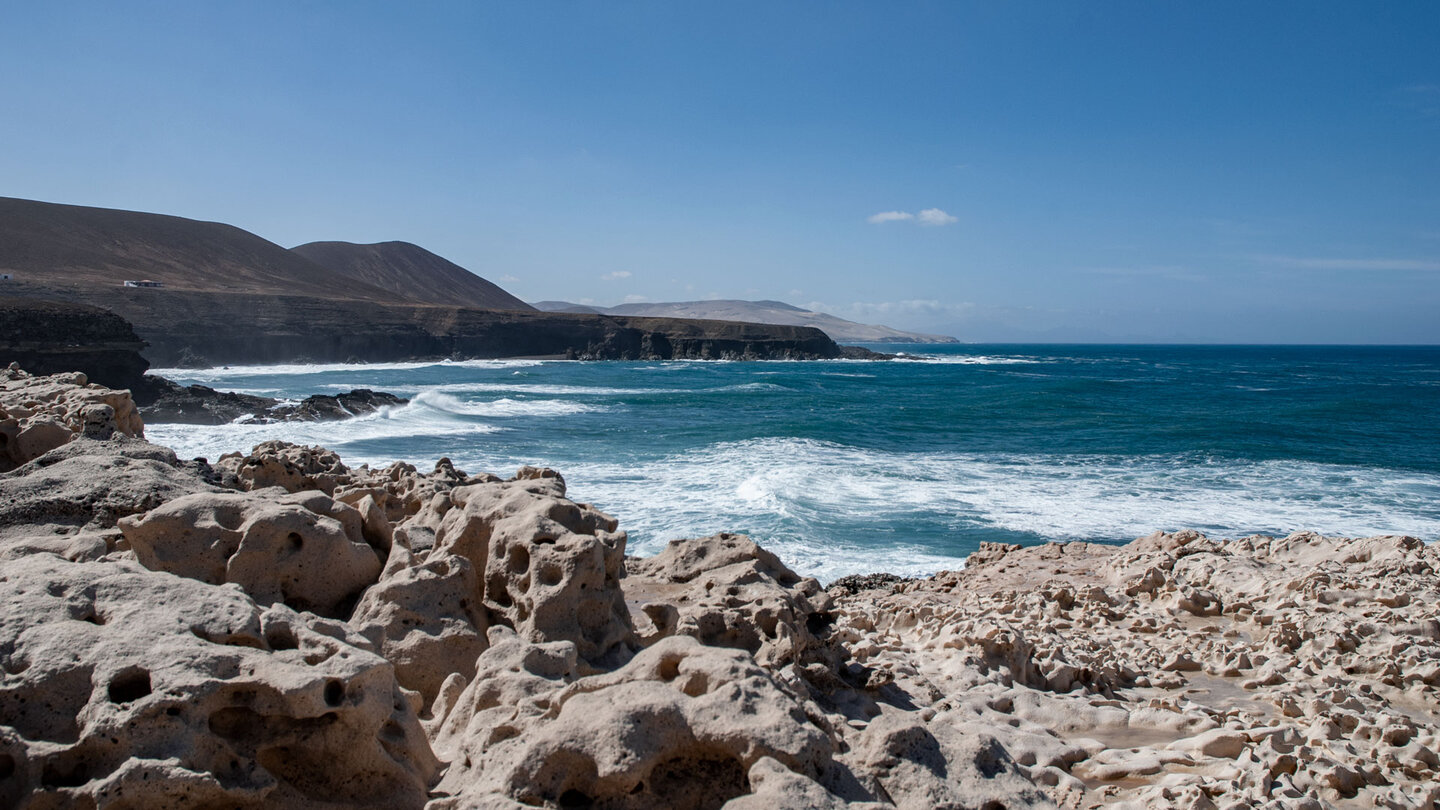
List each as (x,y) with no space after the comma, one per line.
(50,337)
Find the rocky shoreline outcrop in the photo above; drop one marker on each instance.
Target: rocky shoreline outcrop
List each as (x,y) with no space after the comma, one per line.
(280,629)
(171,403)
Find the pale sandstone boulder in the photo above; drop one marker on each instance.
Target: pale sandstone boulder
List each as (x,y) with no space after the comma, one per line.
(727,591)
(772,785)
(127,688)
(39,414)
(919,765)
(303,549)
(681,725)
(515,553)
(83,488)
(427,618)
(294,467)
(401,490)
(551,566)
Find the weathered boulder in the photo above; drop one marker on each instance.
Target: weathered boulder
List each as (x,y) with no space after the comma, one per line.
(681,725)
(919,766)
(122,687)
(727,591)
(551,566)
(39,414)
(86,485)
(304,549)
(294,467)
(427,618)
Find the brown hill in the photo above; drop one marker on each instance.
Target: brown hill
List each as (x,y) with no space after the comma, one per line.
(232,297)
(411,271)
(79,247)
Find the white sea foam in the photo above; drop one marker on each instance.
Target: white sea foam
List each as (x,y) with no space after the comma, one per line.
(415,420)
(861,508)
(971,359)
(504,407)
(219,373)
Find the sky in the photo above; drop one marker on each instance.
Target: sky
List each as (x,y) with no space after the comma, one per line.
(998,171)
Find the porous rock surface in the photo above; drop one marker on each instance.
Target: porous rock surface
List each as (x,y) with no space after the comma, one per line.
(454,641)
(127,688)
(39,414)
(304,549)
(1182,672)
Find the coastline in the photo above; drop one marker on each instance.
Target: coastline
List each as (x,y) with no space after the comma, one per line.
(465,633)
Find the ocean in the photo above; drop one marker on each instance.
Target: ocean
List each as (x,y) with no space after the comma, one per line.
(905,466)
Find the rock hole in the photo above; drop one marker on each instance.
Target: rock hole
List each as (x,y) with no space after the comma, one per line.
(129,685)
(669,669)
(296,541)
(334,693)
(550,574)
(519,560)
(281,637)
(498,593)
(574,798)
(57,775)
(503,733)
(818,623)
(7,762)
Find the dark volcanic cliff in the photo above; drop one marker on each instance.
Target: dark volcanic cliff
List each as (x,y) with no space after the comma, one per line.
(224,328)
(231,297)
(51,337)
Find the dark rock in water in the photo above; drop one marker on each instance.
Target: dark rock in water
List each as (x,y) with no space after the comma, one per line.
(862,353)
(202,405)
(54,337)
(321,407)
(199,404)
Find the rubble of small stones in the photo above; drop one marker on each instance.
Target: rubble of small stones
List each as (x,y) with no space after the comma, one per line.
(282,630)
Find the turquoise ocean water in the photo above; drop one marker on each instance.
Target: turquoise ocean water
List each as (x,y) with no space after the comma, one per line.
(848,466)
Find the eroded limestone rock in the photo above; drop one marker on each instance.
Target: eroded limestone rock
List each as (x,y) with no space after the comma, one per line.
(681,725)
(39,414)
(127,688)
(304,549)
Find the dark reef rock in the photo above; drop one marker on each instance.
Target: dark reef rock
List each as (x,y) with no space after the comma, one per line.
(201,405)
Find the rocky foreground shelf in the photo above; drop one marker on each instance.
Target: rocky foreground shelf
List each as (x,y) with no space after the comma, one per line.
(282,630)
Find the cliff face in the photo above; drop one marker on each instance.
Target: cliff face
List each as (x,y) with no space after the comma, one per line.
(53,337)
(248,328)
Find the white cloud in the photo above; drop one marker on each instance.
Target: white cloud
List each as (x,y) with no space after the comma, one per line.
(616,276)
(934,216)
(508,278)
(929,216)
(636,299)
(1320,263)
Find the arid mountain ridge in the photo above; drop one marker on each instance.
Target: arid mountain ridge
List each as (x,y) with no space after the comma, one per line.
(776,312)
(229,296)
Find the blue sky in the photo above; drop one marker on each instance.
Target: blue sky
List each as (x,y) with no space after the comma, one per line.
(1146,171)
